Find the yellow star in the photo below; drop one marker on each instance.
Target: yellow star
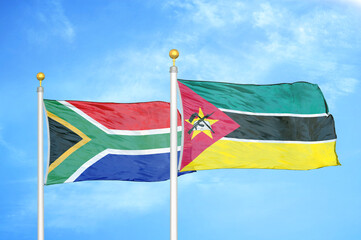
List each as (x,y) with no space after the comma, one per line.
(202,126)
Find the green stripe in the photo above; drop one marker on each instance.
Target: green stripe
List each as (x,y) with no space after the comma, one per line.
(295,98)
(98,143)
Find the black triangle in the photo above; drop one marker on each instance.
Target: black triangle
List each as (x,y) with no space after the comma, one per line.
(61,139)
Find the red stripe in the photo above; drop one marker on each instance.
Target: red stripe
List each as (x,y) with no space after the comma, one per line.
(128,116)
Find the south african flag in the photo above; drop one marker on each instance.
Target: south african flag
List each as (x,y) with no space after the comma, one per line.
(108,141)
(281,126)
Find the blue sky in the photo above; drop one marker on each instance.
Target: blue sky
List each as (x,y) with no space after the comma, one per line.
(118,51)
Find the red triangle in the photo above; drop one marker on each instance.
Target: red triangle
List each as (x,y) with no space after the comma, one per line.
(191,103)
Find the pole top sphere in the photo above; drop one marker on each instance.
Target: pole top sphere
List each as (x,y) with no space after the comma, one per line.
(40,76)
(173,53)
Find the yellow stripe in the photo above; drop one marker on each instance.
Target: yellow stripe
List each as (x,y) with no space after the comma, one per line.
(66,154)
(292,156)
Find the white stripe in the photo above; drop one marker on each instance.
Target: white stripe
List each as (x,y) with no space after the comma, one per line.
(102,154)
(182,117)
(277,141)
(275,114)
(117,132)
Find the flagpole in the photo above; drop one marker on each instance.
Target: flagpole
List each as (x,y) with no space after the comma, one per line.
(40,76)
(173,148)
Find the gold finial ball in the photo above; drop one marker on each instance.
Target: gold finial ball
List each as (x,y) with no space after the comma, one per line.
(173,53)
(40,76)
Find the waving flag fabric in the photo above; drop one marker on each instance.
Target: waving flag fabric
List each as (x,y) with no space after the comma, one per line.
(282,126)
(108,141)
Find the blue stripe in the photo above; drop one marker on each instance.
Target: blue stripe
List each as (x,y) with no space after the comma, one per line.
(139,168)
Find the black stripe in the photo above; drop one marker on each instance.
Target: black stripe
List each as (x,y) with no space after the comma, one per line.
(283,128)
(61,139)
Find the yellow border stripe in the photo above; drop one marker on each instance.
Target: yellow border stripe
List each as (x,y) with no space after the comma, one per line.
(292,156)
(66,154)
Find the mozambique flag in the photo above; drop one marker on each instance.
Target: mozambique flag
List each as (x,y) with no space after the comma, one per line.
(108,141)
(281,126)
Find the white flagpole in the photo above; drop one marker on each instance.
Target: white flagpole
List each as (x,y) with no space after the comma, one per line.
(40,76)
(173,148)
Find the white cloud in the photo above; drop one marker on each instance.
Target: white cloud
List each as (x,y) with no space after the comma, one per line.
(53,22)
(335,88)
(84,205)
(134,75)
(220,186)
(267,16)
(210,13)
(356,3)
(13,152)
(203,64)
(348,85)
